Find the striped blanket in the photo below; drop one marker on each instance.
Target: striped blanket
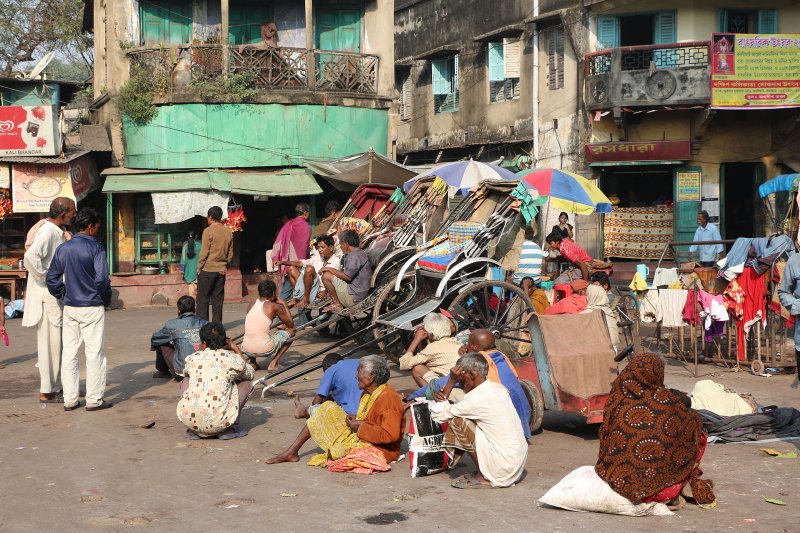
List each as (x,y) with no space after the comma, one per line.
(637,232)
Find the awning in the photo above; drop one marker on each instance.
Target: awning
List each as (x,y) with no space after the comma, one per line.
(284,182)
(349,172)
(512,30)
(782,183)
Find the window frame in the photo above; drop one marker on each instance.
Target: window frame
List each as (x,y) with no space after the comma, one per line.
(507,86)
(448,72)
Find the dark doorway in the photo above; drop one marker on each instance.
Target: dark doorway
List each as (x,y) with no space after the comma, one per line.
(740,202)
(636,30)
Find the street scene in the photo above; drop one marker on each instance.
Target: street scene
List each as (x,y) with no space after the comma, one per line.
(339,266)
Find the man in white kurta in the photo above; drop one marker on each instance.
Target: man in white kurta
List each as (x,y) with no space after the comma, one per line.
(42,310)
(485,425)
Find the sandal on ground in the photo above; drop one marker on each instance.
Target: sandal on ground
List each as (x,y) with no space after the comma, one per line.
(100,407)
(72,407)
(53,397)
(469,484)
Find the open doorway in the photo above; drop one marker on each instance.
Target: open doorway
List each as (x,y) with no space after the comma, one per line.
(741,215)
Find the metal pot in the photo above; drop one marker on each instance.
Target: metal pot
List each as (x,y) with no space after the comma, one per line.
(148,271)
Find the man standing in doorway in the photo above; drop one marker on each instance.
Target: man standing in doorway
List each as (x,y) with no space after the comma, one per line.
(78,276)
(709,254)
(42,310)
(216,253)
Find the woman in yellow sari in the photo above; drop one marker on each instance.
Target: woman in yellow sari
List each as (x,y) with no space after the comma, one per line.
(373,434)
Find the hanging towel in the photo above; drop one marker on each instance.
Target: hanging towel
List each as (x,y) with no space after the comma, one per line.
(638,283)
(665,276)
(672,302)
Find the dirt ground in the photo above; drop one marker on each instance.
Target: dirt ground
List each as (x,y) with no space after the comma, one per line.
(83,471)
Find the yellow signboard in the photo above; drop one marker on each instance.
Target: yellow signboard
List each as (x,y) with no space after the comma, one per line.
(750,71)
(689,186)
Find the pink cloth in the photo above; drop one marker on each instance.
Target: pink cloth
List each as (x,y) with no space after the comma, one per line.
(292,243)
(571,305)
(256,330)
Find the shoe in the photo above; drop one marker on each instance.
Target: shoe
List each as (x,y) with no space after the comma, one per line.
(72,407)
(99,407)
(161,375)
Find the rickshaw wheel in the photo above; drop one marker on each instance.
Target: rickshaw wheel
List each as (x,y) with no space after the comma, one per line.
(536,402)
(389,300)
(502,308)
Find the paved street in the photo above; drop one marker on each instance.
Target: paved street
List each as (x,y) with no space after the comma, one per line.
(84,471)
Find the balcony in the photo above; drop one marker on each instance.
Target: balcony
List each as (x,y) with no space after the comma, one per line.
(648,76)
(179,71)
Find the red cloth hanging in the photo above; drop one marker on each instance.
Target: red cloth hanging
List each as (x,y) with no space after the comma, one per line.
(754,308)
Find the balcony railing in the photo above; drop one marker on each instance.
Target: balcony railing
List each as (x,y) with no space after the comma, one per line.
(648,75)
(274,69)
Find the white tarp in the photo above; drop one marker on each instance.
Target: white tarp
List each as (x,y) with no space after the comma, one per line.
(173,207)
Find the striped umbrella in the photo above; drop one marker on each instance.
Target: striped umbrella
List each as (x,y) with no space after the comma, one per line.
(462,176)
(567,191)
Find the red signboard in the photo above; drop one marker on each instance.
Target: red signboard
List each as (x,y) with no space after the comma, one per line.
(638,151)
(28,130)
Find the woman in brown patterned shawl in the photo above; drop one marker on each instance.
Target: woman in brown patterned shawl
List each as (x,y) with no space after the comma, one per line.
(650,441)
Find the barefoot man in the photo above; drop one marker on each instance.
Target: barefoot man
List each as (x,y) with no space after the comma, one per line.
(339,384)
(351,284)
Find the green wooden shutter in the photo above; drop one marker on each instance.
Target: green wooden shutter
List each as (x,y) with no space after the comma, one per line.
(607,32)
(664,32)
(685,214)
(767,21)
(166,25)
(152,22)
(496,66)
(440,72)
(327,22)
(245,22)
(180,23)
(722,20)
(339,29)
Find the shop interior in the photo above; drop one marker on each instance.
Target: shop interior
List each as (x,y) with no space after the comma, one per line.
(639,186)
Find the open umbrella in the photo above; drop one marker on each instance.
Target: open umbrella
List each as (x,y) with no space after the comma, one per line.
(464,175)
(567,191)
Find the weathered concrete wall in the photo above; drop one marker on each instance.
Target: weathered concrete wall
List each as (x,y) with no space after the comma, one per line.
(430,24)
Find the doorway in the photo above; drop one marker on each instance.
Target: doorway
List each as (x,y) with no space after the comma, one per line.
(741,212)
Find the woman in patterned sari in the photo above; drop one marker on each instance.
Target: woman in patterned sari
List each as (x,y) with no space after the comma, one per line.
(369,440)
(651,442)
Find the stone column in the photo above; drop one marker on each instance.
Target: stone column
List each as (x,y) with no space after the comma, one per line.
(225,22)
(310,55)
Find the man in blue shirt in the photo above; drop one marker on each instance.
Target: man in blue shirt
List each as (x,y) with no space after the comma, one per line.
(338,384)
(177,340)
(709,254)
(78,276)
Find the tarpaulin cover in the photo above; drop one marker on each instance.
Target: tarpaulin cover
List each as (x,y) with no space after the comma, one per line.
(781,183)
(367,167)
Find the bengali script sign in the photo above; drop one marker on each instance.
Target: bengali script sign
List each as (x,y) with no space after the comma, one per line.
(689,183)
(750,71)
(638,151)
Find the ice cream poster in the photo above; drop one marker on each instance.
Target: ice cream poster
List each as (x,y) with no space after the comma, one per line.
(28,130)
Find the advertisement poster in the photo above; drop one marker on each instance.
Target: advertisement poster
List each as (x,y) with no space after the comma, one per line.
(29,130)
(689,186)
(35,186)
(750,71)
(5,176)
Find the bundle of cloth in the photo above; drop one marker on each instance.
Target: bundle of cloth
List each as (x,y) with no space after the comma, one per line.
(759,254)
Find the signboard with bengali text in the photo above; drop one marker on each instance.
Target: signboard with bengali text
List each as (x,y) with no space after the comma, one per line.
(638,151)
(750,71)
(689,186)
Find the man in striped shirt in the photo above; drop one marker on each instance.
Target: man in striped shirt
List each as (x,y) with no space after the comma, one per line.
(531,259)
(571,252)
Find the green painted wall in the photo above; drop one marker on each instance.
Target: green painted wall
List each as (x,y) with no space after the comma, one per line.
(30,93)
(251,135)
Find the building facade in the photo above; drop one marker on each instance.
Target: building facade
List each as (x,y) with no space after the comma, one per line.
(464,75)
(244,92)
(635,112)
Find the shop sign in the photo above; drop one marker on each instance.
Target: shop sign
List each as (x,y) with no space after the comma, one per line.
(29,130)
(638,151)
(5,176)
(750,71)
(35,186)
(689,185)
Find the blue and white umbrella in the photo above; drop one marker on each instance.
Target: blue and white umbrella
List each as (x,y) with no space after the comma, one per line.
(462,176)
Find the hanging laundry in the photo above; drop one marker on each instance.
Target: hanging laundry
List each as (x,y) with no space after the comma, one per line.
(665,276)
(650,307)
(672,303)
(638,283)
(754,310)
(691,310)
(733,297)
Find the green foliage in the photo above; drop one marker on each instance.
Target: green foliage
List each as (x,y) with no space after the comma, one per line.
(235,88)
(135,99)
(68,70)
(126,45)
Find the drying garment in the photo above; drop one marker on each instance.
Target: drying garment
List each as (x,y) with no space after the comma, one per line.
(174,207)
(650,307)
(672,303)
(736,258)
(752,284)
(638,283)
(733,297)
(691,309)
(713,308)
(665,276)
(779,422)
(715,329)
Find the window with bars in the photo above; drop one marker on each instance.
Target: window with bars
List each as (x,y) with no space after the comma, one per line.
(405,98)
(445,84)
(504,63)
(747,21)
(555,59)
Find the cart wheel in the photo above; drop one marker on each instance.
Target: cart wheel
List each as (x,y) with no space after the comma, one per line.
(757,367)
(502,308)
(536,402)
(389,300)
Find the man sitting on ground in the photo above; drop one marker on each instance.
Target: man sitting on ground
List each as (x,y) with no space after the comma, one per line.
(339,385)
(572,304)
(484,425)
(258,341)
(536,294)
(179,338)
(501,371)
(304,274)
(438,357)
(351,284)
(219,380)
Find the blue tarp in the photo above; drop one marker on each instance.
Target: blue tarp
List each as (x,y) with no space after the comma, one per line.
(781,183)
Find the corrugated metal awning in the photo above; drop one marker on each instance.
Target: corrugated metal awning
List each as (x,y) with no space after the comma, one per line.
(286,182)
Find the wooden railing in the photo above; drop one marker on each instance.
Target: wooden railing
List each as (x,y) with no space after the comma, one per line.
(278,69)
